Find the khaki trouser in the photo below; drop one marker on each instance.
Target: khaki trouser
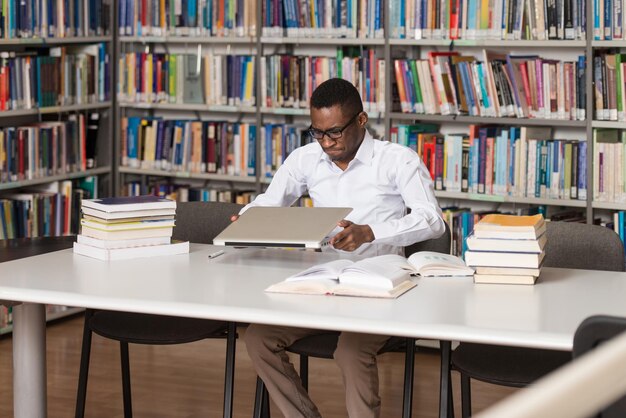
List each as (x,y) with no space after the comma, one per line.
(355,356)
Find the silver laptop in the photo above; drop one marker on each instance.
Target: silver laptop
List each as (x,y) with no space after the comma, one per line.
(292,227)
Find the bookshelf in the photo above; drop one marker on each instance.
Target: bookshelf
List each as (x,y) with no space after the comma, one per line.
(54,79)
(266,41)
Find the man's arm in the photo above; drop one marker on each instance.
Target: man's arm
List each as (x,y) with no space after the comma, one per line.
(286,187)
(425,220)
(352,236)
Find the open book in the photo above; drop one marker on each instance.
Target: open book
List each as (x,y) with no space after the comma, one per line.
(385,276)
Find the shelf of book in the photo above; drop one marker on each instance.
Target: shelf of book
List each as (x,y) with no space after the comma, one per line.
(54,109)
(49,179)
(321,40)
(56,41)
(510,199)
(609,205)
(188,107)
(488,43)
(187,175)
(608,124)
(188,39)
(49,317)
(487,120)
(608,44)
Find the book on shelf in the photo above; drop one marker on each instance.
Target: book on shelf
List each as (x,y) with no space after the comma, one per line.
(497,20)
(507,245)
(503,259)
(127,253)
(432,264)
(505,279)
(121,204)
(386,276)
(510,227)
(28,19)
(497,86)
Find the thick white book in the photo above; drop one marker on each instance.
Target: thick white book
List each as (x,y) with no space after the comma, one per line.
(122,243)
(504,279)
(107,254)
(130,203)
(511,271)
(494,259)
(507,245)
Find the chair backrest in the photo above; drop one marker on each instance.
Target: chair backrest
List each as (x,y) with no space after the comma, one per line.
(583,246)
(200,222)
(592,332)
(438,245)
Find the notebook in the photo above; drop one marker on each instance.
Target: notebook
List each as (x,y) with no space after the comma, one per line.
(291,227)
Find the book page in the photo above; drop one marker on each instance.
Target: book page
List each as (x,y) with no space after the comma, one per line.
(330,270)
(376,273)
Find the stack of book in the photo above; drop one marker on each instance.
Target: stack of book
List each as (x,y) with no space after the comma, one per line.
(507,249)
(128,227)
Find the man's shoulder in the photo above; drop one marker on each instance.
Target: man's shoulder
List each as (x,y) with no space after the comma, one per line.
(311,150)
(392,150)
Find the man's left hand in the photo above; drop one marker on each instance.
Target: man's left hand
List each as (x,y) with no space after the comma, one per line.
(352,236)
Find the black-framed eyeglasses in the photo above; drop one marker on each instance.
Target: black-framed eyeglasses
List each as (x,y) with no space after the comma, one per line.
(334,133)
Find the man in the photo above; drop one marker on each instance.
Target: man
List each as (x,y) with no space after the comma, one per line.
(345,167)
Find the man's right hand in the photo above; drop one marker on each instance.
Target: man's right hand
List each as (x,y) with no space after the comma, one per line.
(233,218)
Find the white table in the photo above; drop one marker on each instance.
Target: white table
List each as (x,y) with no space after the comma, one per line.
(230,287)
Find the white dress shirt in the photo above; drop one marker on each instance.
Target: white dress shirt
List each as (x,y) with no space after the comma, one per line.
(380,183)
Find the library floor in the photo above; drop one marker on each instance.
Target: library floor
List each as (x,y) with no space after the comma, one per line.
(186,380)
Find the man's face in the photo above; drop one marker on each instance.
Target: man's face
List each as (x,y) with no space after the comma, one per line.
(346,132)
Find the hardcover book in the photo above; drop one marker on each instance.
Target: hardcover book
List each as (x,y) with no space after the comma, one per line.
(131,203)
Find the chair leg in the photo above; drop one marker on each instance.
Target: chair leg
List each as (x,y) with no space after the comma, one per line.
(128,406)
(261,400)
(446,409)
(466,396)
(85,355)
(229,378)
(409,372)
(304,371)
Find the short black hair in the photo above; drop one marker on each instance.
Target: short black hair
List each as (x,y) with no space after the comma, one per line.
(337,91)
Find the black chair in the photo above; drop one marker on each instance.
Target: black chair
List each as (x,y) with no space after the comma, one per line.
(197,222)
(569,245)
(592,332)
(324,345)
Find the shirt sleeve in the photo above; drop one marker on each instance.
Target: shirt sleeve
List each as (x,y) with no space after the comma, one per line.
(425,220)
(286,187)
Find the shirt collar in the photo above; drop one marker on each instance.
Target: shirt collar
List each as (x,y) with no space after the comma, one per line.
(364,154)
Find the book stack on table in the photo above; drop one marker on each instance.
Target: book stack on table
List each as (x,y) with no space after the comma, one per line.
(507,249)
(128,227)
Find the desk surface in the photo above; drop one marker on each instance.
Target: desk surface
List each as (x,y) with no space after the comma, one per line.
(230,287)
